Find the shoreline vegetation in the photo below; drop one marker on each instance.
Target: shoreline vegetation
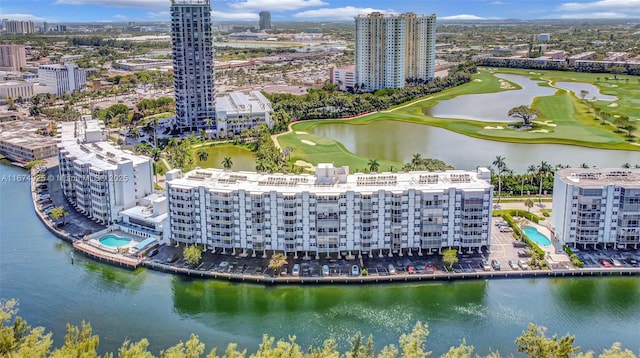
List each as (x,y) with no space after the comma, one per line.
(21,340)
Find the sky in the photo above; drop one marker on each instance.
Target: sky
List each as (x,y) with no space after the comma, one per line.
(316,10)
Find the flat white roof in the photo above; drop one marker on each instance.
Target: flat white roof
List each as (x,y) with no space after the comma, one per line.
(240,102)
(600,177)
(288,183)
(102,155)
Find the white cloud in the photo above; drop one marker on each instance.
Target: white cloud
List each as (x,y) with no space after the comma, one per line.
(220,15)
(25,17)
(159,15)
(276,5)
(597,15)
(461,17)
(121,17)
(340,13)
(146,4)
(496,3)
(613,6)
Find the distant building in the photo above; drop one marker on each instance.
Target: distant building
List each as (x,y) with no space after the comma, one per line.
(193,67)
(265,20)
(12,57)
(555,55)
(616,56)
(590,55)
(25,141)
(543,37)
(97,177)
(330,212)
(597,207)
(15,89)
(19,27)
(344,77)
(250,36)
(390,49)
(140,64)
(61,79)
(238,111)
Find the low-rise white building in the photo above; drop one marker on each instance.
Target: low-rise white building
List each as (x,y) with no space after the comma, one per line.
(25,141)
(15,89)
(344,77)
(237,111)
(148,219)
(331,212)
(61,79)
(597,207)
(97,177)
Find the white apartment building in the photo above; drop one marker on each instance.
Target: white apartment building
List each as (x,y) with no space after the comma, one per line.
(148,219)
(597,207)
(330,212)
(15,89)
(61,79)
(97,177)
(391,49)
(193,75)
(12,57)
(344,77)
(237,111)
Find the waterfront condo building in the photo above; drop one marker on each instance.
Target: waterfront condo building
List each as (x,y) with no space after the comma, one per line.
(265,20)
(330,212)
(97,177)
(597,207)
(12,57)
(193,76)
(393,49)
(61,79)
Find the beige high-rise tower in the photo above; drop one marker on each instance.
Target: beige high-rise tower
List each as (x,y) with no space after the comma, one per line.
(392,49)
(12,57)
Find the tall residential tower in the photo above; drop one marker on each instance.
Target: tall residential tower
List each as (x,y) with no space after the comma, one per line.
(391,49)
(265,20)
(193,76)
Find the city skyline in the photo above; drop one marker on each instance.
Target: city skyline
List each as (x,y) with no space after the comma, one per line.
(316,10)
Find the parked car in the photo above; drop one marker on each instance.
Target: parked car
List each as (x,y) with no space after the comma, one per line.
(505,229)
(495,264)
(500,222)
(284,271)
(513,265)
(153,253)
(523,264)
(430,268)
(325,270)
(392,269)
(296,270)
(355,271)
(485,265)
(410,269)
(616,263)
(631,261)
(605,263)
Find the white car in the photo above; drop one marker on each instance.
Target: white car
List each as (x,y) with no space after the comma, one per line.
(325,270)
(355,271)
(296,270)
(523,264)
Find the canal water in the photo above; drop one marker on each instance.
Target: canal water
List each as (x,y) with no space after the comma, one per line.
(36,268)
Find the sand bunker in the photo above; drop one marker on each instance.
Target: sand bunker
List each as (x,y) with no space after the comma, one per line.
(612,105)
(301,132)
(477,80)
(308,142)
(506,85)
(540,131)
(547,123)
(302,163)
(497,127)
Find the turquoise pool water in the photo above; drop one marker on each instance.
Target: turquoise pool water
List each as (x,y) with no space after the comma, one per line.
(536,236)
(114,241)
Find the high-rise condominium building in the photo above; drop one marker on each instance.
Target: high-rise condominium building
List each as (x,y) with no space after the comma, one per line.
(265,20)
(19,27)
(193,76)
(12,57)
(61,79)
(597,207)
(391,49)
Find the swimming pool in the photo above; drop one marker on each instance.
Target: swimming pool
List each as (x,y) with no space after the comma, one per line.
(536,236)
(114,240)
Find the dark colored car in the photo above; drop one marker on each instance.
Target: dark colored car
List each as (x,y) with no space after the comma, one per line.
(495,264)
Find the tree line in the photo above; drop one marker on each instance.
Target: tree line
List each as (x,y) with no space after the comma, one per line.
(18,339)
(328,103)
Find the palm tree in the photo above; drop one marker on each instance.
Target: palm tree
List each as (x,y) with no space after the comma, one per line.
(415,160)
(544,169)
(227,163)
(529,204)
(277,261)
(501,167)
(203,155)
(373,165)
(209,123)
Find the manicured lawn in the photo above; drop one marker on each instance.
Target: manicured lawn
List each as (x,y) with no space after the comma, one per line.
(565,118)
